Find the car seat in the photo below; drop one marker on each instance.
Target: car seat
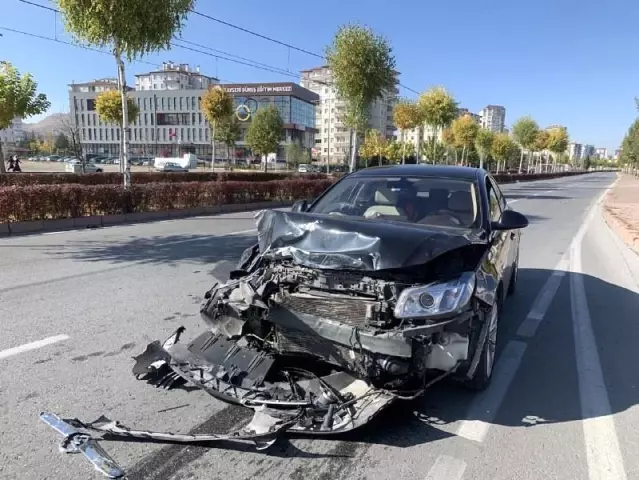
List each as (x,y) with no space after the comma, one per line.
(462,204)
(385,204)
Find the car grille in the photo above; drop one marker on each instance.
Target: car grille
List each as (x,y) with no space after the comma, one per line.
(341,308)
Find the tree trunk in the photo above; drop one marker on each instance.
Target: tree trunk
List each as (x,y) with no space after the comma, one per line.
(521,160)
(353,150)
(481,160)
(3,168)
(419,145)
(213,145)
(125,121)
(403,149)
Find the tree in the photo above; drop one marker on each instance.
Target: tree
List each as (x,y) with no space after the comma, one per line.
(109,107)
(217,106)
(503,149)
(630,146)
(72,132)
(374,145)
(62,143)
(394,151)
(484,144)
(450,142)
(363,68)
(265,132)
(558,142)
(406,116)
(465,131)
(434,151)
(437,109)
(294,154)
(525,132)
(18,99)
(129,29)
(541,143)
(228,131)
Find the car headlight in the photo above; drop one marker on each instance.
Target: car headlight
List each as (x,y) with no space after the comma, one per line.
(436,299)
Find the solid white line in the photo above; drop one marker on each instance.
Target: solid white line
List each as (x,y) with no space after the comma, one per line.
(540,306)
(32,346)
(485,406)
(605,461)
(512,201)
(446,468)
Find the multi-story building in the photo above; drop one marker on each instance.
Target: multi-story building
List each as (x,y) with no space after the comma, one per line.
(493,118)
(574,151)
(13,134)
(333,140)
(171,122)
(602,152)
(174,76)
(587,151)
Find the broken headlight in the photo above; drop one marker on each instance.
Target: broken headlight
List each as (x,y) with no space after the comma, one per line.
(436,299)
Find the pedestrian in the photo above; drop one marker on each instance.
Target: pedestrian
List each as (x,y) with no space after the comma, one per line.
(16,165)
(10,169)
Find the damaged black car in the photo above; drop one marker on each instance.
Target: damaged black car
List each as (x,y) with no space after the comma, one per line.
(391,280)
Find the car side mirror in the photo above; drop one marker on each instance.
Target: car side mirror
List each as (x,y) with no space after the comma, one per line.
(300,206)
(510,220)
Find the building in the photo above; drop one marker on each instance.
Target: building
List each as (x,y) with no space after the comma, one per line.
(13,134)
(587,151)
(602,153)
(493,118)
(617,154)
(574,151)
(333,140)
(171,122)
(174,77)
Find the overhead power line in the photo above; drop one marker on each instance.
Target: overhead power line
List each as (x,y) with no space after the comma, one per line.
(242,29)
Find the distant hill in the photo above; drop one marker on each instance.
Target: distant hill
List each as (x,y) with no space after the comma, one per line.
(53,124)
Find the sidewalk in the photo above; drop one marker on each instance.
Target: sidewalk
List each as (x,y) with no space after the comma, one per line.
(621,210)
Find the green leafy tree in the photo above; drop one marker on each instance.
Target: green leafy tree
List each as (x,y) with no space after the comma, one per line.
(557,142)
(436,152)
(393,151)
(228,131)
(217,106)
(406,116)
(294,154)
(438,109)
(109,107)
(129,29)
(62,143)
(503,149)
(541,143)
(484,144)
(465,131)
(363,68)
(265,132)
(18,99)
(374,145)
(630,147)
(525,132)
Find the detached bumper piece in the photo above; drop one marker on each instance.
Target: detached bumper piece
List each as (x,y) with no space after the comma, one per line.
(262,430)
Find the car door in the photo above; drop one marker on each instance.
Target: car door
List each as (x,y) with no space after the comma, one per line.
(501,239)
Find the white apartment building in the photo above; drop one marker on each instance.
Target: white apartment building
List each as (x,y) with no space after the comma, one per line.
(171,122)
(574,151)
(174,76)
(493,118)
(333,139)
(13,134)
(602,152)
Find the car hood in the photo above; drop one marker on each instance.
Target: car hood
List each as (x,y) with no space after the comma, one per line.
(335,242)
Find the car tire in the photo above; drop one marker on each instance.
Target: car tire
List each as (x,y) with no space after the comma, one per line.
(484,372)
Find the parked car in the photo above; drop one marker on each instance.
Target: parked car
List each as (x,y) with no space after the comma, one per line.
(172,167)
(75,166)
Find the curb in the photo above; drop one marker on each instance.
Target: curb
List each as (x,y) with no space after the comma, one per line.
(620,229)
(39,226)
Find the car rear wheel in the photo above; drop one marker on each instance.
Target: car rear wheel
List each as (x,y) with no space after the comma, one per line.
(484,371)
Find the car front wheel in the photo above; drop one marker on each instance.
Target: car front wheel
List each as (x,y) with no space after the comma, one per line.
(484,372)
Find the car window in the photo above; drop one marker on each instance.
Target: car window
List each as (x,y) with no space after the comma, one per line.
(499,193)
(427,200)
(495,206)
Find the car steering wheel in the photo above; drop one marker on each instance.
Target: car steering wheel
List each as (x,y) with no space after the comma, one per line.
(443,212)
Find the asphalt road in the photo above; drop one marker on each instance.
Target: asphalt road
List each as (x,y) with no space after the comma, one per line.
(562,404)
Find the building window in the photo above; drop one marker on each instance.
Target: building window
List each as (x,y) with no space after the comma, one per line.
(112,135)
(89,134)
(181,106)
(193,119)
(152,134)
(173,119)
(193,103)
(163,103)
(200,134)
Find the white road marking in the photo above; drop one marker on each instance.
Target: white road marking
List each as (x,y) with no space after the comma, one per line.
(32,346)
(512,201)
(446,468)
(605,461)
(485,406)
(540,306)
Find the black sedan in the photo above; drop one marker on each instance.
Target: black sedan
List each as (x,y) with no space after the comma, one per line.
(394,278)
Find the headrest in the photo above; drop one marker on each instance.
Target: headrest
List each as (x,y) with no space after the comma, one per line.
(461,201)
(438,194)
(385,196)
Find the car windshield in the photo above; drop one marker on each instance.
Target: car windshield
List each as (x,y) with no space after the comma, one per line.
(428,200)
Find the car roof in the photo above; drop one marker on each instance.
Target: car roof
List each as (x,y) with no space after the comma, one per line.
(447,171)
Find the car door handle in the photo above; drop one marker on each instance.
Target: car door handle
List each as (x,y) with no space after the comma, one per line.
(512,235)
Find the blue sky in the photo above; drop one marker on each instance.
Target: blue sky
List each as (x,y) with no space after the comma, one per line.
(570,62)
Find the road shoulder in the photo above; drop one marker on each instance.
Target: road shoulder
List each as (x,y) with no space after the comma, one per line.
(621,210)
